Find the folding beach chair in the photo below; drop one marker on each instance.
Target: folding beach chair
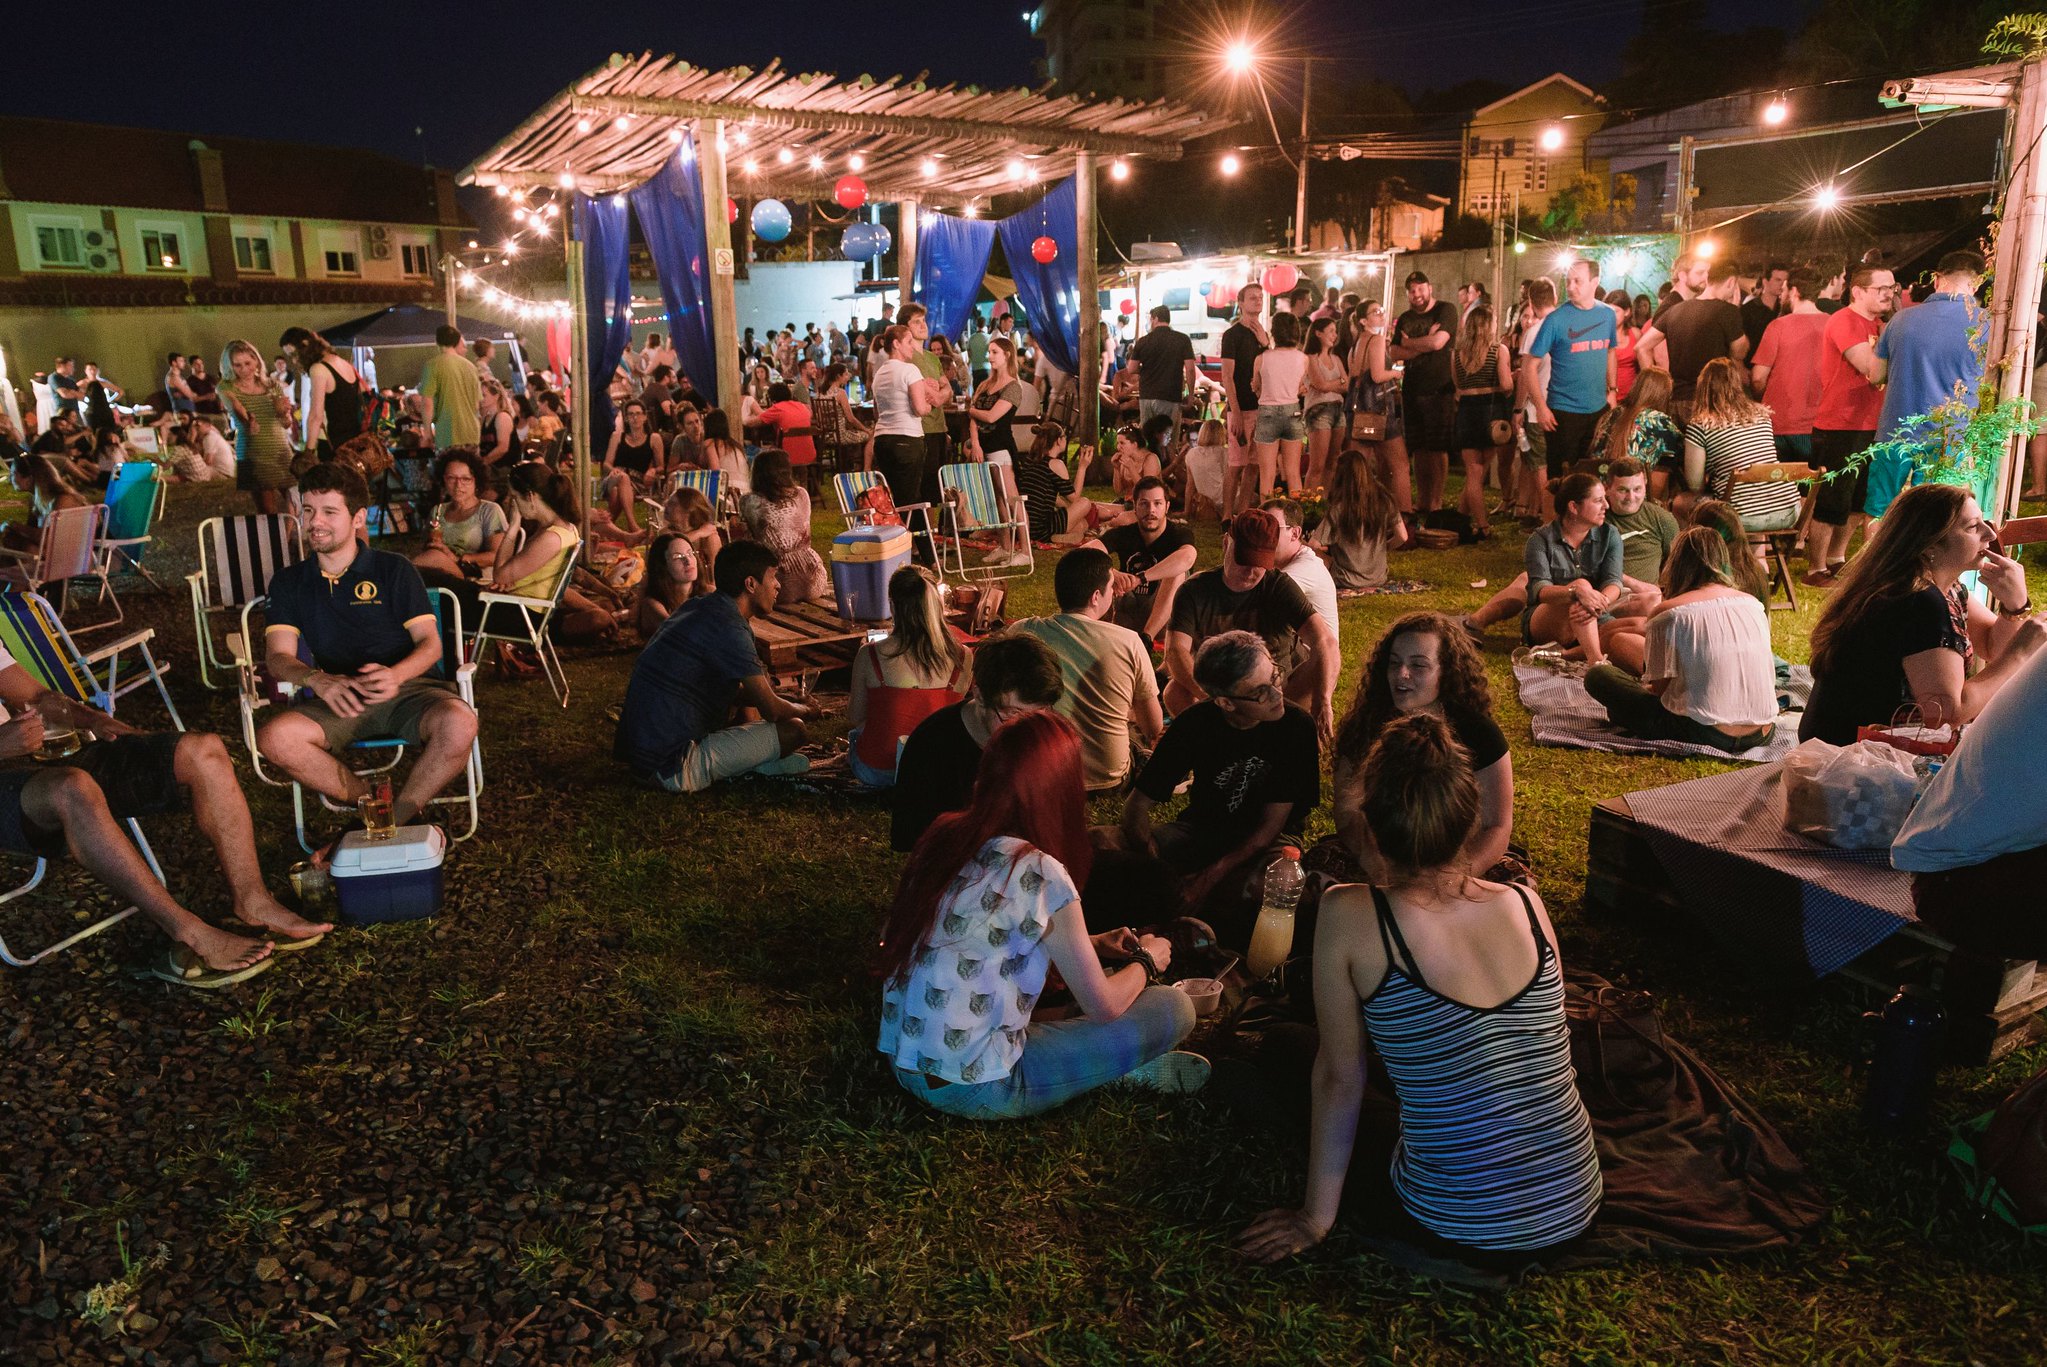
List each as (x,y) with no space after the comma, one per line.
(849,488)
(64,554)
(134,502)
(1775,543)
(709,483)
(237,556)
(980,499)
(36,638)
(39,644)
(388,750)
(524,622)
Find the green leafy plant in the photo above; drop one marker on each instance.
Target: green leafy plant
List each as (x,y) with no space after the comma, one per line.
(111,1302)
(2017,35)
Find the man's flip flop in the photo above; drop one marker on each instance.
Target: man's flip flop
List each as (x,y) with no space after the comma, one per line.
(279,941)
(181,966)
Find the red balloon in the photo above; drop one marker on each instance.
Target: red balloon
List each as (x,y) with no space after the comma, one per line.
(850,192)
(1044,251)
(1280,279)
(731,211)
(1129,307)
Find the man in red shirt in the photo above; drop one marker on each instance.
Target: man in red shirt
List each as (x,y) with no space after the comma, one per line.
(791,422)
(1786,371)
(1845,424)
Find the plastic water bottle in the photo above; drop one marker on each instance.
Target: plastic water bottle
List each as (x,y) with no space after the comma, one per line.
(1272,939)
(1901,1073)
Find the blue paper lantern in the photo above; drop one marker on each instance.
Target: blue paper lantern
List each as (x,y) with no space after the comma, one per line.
(771,220)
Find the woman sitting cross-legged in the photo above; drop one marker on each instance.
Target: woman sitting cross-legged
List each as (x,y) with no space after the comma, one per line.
(1424,664)
(673,578)
(1362,524)
(916,670)
(988,905)
(465,529)
(1458,984)
(777,514)
(1708,674)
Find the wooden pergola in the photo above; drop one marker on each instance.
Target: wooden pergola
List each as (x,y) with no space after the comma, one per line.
(794,135)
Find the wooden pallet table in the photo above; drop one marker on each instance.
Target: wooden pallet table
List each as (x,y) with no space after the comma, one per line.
(1993,1006)
(809,636)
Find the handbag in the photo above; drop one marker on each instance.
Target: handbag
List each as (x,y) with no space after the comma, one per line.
(1501,431)
(1375,403)
(1617,1046)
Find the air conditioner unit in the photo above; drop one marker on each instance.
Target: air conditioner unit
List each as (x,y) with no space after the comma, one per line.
(379,251)
(106,263)
(96,240)
(379,234)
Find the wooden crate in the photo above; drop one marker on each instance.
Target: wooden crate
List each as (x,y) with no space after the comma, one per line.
(1993,1006)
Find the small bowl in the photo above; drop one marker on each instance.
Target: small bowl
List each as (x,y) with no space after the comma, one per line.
(1205,993)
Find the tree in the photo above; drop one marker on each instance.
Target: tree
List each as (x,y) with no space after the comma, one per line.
(1892,37)
(1677,58)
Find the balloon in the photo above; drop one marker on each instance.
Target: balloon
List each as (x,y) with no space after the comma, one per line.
(1334,282)
(1279,279)
(850,192)
(1205,288)
(882,240)
(771,220)
(864,242)
(1128,307)
(731,211)
(1044,251)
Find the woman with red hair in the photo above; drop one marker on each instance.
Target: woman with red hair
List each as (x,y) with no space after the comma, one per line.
(988,904)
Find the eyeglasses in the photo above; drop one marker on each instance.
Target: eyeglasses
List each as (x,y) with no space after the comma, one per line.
(1259,696)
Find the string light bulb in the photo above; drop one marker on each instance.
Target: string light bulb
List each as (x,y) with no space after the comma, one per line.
(929,166)
(1776,111)
(1119,170)
(857,162)
(1826,198)
(503,190)
(785,156)
(582,125)
(1232,163)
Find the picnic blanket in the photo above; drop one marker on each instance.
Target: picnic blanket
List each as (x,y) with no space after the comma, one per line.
(1764,889)
(1561,712)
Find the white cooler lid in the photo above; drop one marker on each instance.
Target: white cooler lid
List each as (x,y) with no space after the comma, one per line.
(409,848)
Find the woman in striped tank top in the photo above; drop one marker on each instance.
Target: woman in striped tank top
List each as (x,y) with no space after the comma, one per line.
(1462,994)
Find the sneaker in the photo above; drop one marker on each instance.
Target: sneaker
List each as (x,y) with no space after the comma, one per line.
(1176,1073)
(788,766)
(1818,579)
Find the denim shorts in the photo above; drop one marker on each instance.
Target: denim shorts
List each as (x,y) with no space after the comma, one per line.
(1280,422)
(1325,417)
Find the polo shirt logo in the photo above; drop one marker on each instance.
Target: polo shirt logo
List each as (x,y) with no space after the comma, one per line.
(365,591)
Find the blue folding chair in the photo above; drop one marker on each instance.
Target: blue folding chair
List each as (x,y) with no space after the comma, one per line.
(39,644)
(134,502)
(387,751)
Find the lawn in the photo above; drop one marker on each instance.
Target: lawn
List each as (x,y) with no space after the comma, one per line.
(620,1103)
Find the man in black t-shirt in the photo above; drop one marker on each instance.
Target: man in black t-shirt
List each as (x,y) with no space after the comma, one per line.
(1687,333)
(1768,304)
(1422,339)
(1013,674)
(1257,775)
(1165,370)
(1248,594)
(1156,557)
(1242,343)
(66,392)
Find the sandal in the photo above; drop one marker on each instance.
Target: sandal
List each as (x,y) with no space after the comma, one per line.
(180,966)
(278,940)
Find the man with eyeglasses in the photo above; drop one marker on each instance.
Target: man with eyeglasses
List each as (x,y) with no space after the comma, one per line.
(1844,425)
(1256,776)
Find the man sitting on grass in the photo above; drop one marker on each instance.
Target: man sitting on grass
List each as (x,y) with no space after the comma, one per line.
(74,806)
(676,730)
(1156,554)
(1014,673)
(1257,774)
(1110,687)
(364,617)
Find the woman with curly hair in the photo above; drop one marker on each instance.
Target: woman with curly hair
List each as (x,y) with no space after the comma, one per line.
(1425,663)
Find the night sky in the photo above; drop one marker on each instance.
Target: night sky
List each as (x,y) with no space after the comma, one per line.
(368,72)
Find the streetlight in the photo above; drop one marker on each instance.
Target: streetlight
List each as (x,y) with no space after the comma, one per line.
(1552,138)
(1232,163)
(1240,57)
(1826,198)
(1776,111)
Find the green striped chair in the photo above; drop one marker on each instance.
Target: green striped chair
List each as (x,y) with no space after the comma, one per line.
(977,500)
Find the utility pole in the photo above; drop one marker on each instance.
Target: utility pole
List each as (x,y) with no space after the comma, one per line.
(1301,178)
(449,266)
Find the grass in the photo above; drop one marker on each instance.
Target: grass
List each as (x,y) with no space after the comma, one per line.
(734,927)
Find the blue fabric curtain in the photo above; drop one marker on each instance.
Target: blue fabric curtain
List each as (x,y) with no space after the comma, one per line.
(952,259)
(670,208)
(1050,294)
(607,300)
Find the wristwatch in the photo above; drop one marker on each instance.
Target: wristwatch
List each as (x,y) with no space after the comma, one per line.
(2020,611)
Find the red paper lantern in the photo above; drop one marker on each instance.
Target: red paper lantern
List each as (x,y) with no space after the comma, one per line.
(850,192)
(731,211)
(1044,251)
(1280,279)
(1128,306)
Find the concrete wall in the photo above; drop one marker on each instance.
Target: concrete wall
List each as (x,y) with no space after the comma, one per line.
(130,343)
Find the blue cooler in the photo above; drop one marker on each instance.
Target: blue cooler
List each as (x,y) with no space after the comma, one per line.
(863,558)
(398,879)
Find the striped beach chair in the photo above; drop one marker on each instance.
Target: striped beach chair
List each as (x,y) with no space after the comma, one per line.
(848,486)
(237,556)
(64,554)
(34,635)
(980,500)
(39,644)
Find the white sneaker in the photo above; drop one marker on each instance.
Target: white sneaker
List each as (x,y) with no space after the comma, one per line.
(788,766)
(1176,1073)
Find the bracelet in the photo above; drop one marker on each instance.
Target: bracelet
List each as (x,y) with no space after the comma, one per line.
(2020,611)
(1151,969)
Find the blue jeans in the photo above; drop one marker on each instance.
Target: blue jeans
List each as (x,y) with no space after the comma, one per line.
(1063,1059)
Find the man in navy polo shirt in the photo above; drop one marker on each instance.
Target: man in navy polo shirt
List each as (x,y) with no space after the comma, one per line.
(364,617)
(1578,339)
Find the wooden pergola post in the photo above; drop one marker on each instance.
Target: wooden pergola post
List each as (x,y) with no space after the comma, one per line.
(579,372)
(2015,280)
(718,241)
(907,228)
(1088,288)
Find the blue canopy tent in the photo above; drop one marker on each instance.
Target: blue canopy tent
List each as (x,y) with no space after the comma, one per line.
(404,325)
